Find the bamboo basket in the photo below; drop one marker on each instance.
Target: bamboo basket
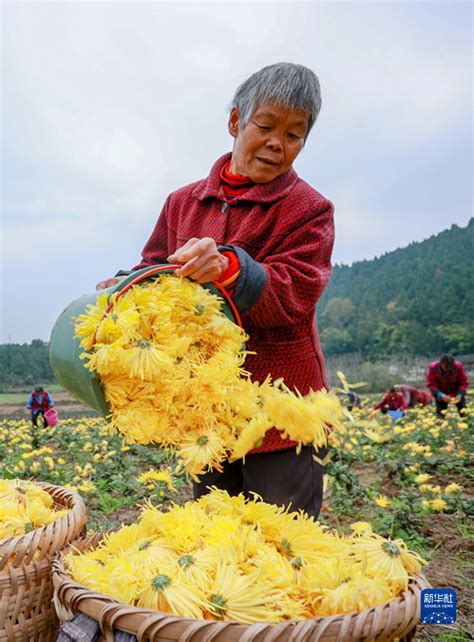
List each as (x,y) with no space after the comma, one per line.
(26,588)
(396,620)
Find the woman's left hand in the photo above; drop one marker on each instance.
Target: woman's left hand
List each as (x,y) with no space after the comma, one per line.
(202,260)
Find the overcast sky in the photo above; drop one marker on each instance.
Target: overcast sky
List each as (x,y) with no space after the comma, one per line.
(109,106)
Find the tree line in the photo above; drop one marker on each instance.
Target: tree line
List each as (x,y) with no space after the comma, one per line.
(417,300)
(25,364)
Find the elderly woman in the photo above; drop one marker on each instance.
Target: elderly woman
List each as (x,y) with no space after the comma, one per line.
(266,235)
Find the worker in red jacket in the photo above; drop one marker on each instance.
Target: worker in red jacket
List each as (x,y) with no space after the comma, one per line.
(39,401)
(424,397)
(448,382)
(393,400)
(261,231)
(413,396)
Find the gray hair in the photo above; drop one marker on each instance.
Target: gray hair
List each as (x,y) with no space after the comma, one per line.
(285,83)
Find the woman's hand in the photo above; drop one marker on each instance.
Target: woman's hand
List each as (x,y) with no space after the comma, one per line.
(102,285)
(202,260)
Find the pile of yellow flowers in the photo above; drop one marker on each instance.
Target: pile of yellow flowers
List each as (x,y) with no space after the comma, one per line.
(227,558)
(171,364)
(24,506)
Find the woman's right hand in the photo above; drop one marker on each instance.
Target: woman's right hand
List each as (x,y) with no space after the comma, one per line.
(108,283)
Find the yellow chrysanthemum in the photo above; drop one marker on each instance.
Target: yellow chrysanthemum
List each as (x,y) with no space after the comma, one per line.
(234,596)
(198,565)
(452,488)
(422,478)
(354,595)
(86,324)
(391,559)
(122,321)
(361,528)
(202,451)
(120,541)
(122,577)
(87,571)
(302,537)
(438,504)
(171,593)
(180,528)
(160,476)
(262,516)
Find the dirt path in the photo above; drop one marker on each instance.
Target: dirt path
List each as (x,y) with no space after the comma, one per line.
(64,403)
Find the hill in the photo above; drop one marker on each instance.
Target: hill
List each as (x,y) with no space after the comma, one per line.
(416,300)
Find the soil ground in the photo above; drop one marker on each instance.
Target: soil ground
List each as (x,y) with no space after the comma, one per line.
(65,404)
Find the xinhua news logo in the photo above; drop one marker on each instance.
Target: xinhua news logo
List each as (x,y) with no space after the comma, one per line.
(438,606)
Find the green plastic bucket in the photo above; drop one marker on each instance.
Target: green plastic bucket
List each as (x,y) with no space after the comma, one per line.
(65,349)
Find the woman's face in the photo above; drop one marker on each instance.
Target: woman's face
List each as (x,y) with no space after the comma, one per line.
(269,143)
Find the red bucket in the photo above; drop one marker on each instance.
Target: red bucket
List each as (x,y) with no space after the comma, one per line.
(51,417)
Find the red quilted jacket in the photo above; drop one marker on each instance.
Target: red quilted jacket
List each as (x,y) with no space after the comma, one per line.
(449,383)
(283,234)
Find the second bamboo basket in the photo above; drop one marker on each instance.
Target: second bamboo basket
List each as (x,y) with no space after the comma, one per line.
(26,588)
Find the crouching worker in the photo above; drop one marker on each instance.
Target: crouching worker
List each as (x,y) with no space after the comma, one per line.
(448,383)
(393,400)
(413,397)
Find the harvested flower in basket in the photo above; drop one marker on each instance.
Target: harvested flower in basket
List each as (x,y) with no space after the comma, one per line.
(171,364)
(23,507)
(228,558)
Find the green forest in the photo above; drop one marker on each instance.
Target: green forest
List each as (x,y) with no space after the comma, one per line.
(417,300)
(25,364)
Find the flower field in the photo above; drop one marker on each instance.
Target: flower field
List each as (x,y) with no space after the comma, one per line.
(410,480)
(113,478)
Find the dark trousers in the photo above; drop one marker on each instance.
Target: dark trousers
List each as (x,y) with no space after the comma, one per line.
(442,405)
(34,418)
(281,477)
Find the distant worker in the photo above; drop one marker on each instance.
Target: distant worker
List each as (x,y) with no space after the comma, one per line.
(353,400)
(448,382)
(39,402)
(424,397)
(413,396)
(410,394)
(393,400)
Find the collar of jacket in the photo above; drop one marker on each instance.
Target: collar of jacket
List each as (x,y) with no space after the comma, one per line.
(260,193)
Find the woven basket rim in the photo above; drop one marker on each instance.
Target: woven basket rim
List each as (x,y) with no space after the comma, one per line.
(97,605)
(70,524)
